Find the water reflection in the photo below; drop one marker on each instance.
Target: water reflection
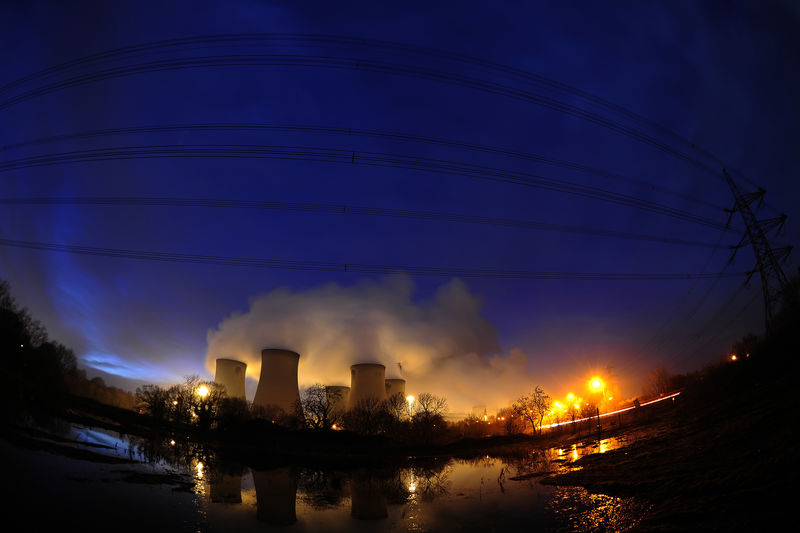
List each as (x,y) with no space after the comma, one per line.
(276,494)
(479,494)
(226,485)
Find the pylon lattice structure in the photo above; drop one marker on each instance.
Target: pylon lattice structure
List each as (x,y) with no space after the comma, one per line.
(768,260)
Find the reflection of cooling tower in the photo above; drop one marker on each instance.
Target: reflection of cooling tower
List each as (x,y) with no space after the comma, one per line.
(395,386)
(277,386)
(338,396)
(368,502)
(230,373)
(276,492)
(226,487)
(367,382)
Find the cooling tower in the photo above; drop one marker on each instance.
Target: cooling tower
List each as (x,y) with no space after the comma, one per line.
(231,373)
(338,396)
(277,386)
(395,386)
(276,494)
(367,381)
(367,499)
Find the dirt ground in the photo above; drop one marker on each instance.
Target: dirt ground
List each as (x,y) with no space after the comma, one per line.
(723,459)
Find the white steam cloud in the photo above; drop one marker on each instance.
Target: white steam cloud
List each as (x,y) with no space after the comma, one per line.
(444,345)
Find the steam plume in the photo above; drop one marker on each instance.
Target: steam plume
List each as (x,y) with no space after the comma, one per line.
(443,344)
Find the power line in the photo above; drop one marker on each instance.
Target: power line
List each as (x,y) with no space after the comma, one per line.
(380,159)
(351,63)
(329,41)
(341,209)
(395,136)
(348,267)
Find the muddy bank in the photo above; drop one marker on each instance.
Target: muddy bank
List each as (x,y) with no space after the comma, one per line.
(723,459)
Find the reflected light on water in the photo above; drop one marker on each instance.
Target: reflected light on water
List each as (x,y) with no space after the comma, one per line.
(581,510)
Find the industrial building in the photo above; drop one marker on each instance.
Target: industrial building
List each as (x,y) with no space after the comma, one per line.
(395,386)
(338,396)
(230,374)
(277,386)
(367,382)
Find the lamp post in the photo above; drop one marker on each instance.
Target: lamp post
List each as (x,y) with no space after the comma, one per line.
(597,385)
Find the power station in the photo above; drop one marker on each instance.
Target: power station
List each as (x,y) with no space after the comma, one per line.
(278,391)
(277,386)
(395,386)
(230,374)
(367,383)
(337,396)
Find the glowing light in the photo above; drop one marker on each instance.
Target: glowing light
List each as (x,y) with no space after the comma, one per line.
(202,391)
(596,384)
(412,486)
(733,357)
(199,468)
(174,402)
(570,396)
(172,443)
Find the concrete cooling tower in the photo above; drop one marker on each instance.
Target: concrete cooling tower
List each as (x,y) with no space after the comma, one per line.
(367,381)
(395,386)
(277,386)
(338,396)
(231,373)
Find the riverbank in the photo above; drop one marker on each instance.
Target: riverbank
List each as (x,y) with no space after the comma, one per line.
(723,460)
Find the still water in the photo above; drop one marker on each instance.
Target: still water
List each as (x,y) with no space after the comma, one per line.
(193,491)
(481,494)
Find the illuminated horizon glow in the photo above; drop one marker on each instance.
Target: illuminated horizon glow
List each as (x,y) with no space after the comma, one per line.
(618,411)
(115,365)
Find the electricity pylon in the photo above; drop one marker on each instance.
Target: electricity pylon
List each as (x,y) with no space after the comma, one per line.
(768,260)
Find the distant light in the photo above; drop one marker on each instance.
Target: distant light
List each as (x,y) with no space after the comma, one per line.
(596,383)
(410,399)
(174,402)
(733,357)
(570,396)
(172,443)
(21,345)
(202,391)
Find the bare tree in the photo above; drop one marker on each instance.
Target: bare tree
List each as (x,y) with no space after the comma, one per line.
(658,382)
(509,419)
(428,404)
(533,407)
(319,406)
(398,406)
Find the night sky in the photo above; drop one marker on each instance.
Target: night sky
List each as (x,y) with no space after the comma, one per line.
(583,117)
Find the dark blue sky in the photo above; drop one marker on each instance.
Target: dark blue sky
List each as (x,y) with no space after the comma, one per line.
(722,76)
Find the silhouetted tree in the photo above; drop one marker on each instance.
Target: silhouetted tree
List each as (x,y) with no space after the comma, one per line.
(533,407)
(509,420)
(320,406)
(659,382)
(153,400)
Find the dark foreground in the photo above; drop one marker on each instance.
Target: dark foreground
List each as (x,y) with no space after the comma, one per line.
(721,457)
(724,459)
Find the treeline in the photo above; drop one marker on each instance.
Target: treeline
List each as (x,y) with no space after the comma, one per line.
(38,373)
(205,406)
(779,344)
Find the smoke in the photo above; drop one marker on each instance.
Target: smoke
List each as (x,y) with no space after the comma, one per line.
(443,344)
